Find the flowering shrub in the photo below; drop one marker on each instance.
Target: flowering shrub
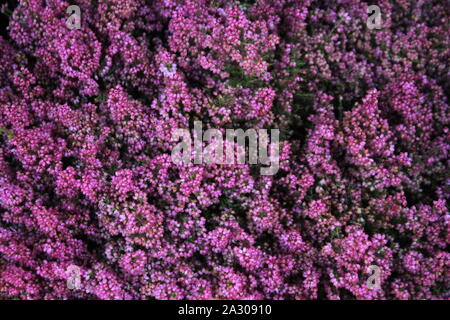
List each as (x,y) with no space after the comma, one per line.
(86,177)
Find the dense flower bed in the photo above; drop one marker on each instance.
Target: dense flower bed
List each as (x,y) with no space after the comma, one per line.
(86,177)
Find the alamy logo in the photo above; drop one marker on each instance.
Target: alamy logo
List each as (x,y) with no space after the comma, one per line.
(374,281)
(374,20)
(73,277)
(219,151)
(74,20)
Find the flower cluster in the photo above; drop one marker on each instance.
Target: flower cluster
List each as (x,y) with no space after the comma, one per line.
(87,180)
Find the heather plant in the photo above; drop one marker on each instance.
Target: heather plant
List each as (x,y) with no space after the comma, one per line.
(93,207)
